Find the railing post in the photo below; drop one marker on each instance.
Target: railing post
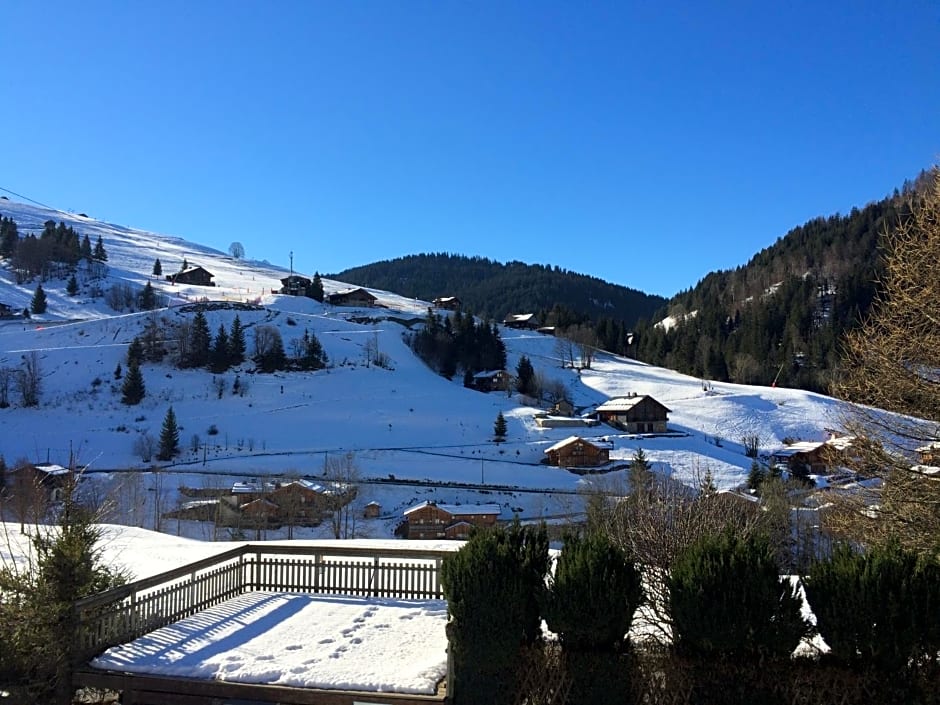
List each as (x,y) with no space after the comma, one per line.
(373,581)
(257,582)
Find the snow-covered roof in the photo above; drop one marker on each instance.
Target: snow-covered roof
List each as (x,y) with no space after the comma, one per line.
(486,374)
(623,403)
(460,509)
(306,484)
(797,448)
(572,439)
(51,469)
(519,317)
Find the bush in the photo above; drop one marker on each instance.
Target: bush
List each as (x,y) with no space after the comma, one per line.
(590,606)
(493,586)
(880,609)
(728,600)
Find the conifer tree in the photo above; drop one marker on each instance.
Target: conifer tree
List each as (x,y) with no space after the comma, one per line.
(220,356)
(236,342)
(640,477)
(133,390)
(86,249)
(525,376)
(9,237)
(499,427)
(313,357)
(135,351)
(38,304)
(200,342)
(100,254)
(148,299)
(315,291)
(118,372)
(72,287)
(157,268)
(169,437)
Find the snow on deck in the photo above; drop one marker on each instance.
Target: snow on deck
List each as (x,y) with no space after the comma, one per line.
(307,641)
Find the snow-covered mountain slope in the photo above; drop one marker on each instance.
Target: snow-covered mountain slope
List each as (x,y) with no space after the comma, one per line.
(405,421)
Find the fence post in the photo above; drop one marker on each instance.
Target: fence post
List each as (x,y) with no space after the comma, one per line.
(373,581)
(258,569)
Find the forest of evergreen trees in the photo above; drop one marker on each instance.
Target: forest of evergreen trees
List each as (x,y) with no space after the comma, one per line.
(490,289)
(779,318)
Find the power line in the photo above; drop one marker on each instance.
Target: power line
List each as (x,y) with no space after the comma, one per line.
(27,198)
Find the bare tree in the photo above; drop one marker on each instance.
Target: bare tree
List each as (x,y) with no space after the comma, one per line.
(144,446)
(564,348)
(892,364)
(236,250)
(28,381)
(341,475)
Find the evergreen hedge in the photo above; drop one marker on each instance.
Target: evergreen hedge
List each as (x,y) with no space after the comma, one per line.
(494,586)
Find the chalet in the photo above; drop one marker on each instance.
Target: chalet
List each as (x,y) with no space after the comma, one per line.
(430,520)
(634,414)
(450,303)
(521,320)
(39,482)
(492,380)
(196,276)
(6,311)
(352,297)
(812,457)
(575,451)
(372,510)
(562,408)
(295,285)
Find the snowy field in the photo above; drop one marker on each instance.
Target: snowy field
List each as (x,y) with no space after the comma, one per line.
(404,422)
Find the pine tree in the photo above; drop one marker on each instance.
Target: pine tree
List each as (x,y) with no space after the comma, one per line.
(756,476)
(148,299)
(525,376)
(313,357)
(135,351)
(236,342)
(220,356)
(200,342)
(86,249)
(99,253)
(640,477)
(9,237)
(499,427)
(133,390)
(707,485)
(315,291)
(118,372)
(184,266)
(72,287)
(38,304)
(169,437)
(157,268)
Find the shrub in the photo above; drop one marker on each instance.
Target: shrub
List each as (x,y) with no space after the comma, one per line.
(880,608)
(494,586)
(728,599)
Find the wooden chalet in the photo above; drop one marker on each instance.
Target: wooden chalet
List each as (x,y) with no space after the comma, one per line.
(812,457)
(449,303)
(929,454)
(295,285)
(492,380)
(39,483)
(521,320)
(634,414)
(562,408)
(575,451)
(372,510)
(352,297)
(430,520)
(195,276)
(6,311)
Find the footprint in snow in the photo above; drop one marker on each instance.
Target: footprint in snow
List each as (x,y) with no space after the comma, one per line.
(293,647)
(325,641)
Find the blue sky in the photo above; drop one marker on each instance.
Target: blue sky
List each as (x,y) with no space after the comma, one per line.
(643,143)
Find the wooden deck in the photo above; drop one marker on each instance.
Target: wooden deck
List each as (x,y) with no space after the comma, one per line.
(131,611)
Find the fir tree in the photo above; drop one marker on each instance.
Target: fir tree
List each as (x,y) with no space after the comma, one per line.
(525,377)
(86,249)
(9,237)
(157,268)
(756,476)
(99,253)
(220,356)
(640,477)
(499,427)
(148,299)
(236,342)
(200,342)
(135,351)
(315,291)
(169,437)
(38,304)
(185,265)
(118,372)
(707,485)
(133,390)
(72,287)
(312,355)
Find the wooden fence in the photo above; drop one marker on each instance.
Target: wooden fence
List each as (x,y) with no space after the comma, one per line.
(130,611)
